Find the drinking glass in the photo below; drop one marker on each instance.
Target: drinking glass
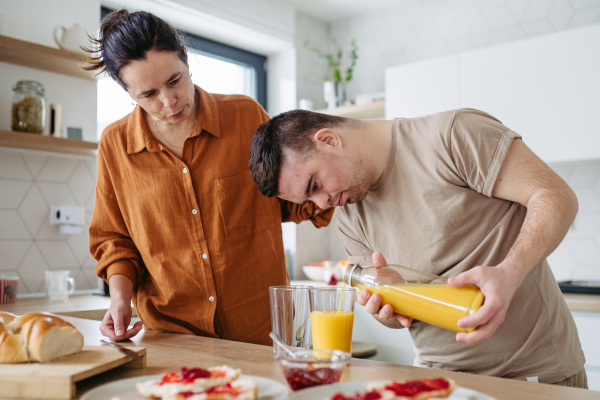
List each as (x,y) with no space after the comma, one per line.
(290,316)
(332,317)
(57,285)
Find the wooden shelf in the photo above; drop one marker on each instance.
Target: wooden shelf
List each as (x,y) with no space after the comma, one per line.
(31,141)
(375,110)
(34,55)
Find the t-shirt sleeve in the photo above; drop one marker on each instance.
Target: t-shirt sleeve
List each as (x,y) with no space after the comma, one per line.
(358,252)
(478,144)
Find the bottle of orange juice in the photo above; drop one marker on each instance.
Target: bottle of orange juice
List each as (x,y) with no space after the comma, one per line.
(416,294)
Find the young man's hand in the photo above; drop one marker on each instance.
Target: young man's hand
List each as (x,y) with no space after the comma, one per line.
(498,287)
(372,303)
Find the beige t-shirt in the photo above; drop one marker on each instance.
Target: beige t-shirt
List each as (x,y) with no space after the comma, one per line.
(432,210)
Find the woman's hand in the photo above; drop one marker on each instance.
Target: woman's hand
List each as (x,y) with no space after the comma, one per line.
(372,303)
(117,318)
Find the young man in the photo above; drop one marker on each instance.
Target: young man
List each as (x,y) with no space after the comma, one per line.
(454,194)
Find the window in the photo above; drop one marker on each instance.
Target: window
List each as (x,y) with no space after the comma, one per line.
(215,67)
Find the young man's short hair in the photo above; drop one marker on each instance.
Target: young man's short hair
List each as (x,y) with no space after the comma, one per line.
(292,130)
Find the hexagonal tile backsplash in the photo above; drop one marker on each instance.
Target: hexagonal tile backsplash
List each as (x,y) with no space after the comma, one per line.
(31,182)
(578,256)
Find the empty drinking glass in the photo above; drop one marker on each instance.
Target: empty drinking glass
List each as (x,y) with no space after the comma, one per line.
(290,316)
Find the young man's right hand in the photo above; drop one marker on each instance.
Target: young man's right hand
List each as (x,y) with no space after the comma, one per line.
(372,303)
(117,318)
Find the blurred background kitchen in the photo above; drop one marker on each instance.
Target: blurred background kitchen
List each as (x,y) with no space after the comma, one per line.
(531,63)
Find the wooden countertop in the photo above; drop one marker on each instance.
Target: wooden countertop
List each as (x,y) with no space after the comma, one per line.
(170,352)
(583,302)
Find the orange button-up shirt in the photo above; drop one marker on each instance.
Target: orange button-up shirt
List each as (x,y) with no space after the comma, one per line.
(200,242)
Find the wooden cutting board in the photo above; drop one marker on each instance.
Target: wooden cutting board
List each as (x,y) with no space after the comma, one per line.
(56,380)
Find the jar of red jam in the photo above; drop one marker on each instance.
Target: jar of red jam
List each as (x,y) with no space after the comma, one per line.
(313,367)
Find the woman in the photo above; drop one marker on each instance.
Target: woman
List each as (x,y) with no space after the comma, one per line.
(179,226)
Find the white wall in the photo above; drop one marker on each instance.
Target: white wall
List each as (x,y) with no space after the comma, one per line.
(414,30)
(310,68)
(260,26)
(281,82)
(34,21)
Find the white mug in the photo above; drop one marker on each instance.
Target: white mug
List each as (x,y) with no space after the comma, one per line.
(71,38)
(57,285)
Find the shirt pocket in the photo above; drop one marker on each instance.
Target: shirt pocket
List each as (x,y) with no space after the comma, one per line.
(245,212)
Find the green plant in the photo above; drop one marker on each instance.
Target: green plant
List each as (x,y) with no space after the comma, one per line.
(334,60)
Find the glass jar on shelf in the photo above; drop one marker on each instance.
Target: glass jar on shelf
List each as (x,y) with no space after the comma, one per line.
(28,107)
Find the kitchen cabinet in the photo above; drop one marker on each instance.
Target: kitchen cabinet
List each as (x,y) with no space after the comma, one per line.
(546,88)
(588,326)
(422,88)
(393,345)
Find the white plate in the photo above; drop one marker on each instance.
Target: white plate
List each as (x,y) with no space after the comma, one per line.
(125,389)
(350,388)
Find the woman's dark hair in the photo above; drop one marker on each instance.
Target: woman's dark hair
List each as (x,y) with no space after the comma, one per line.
(126,37)
(292,130)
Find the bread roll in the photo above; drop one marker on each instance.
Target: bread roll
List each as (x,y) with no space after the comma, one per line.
(37,337)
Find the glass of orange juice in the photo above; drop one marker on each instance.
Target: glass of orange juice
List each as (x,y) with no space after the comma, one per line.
(332,317)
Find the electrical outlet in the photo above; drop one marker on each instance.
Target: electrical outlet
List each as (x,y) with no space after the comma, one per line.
(67,215)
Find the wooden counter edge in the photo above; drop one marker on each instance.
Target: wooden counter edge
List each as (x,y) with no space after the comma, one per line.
(582,302)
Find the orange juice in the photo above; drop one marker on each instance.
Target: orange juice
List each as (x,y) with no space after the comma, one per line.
(437,304)
(332,329)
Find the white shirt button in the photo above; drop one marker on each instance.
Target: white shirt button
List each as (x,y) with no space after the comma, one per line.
(205,256)
(211,298)
(185,170)
(194,211)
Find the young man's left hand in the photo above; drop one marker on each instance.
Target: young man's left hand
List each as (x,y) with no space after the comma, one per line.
(498,287)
